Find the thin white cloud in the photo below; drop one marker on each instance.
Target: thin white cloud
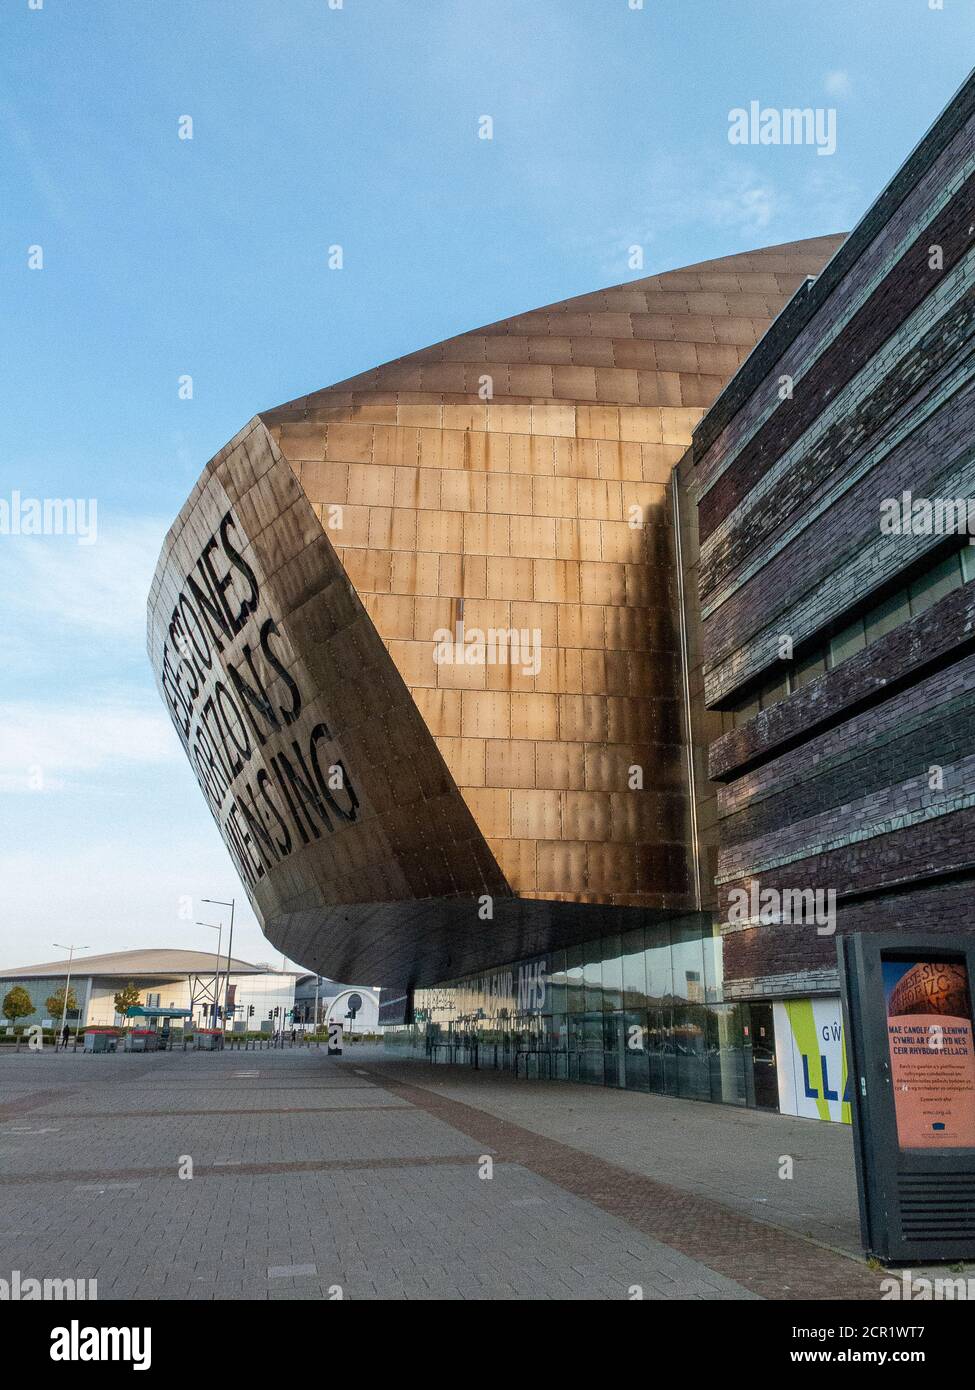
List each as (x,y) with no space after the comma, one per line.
(54,587)
(736,199)
(742,200)
(47,747)
(674,194)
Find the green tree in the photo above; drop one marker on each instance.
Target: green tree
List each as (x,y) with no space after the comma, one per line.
(17,1004)
(126,999)
(54,1003)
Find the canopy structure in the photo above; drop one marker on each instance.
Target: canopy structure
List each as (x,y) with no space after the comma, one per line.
(141,1011)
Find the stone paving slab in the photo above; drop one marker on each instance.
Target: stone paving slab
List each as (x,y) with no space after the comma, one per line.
(726,1153)
(266,1138)
(425,1232)
(372,1173)
(763,1257)
(404,1213)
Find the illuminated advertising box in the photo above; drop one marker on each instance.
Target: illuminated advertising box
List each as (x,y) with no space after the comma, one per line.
(907,1008)
(932,1059)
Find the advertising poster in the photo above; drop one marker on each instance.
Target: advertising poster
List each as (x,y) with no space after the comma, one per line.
(811,1060)
(932,1057)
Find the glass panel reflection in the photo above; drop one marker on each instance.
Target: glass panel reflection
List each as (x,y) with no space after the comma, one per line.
(592,956)
(642,1010)
(634,971)
(687,953)
(659,965)
(612,966)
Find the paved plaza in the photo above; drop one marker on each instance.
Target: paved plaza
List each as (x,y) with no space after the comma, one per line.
(290,1174)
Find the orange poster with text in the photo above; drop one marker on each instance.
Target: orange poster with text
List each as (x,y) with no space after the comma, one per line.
(932,1056)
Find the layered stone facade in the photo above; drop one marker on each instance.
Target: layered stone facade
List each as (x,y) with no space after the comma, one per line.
(842,652)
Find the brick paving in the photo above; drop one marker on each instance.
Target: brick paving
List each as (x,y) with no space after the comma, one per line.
(351,1177)
(770,1261)
(726,1153)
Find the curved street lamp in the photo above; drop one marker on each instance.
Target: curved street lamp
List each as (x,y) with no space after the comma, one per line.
(67,985)
(218,902)
(218,928)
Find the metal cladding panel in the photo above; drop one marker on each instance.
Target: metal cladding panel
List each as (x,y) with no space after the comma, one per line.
(420,631)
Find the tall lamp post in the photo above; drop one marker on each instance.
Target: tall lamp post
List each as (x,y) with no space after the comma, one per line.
(218,928)
(67,984)
(217,902)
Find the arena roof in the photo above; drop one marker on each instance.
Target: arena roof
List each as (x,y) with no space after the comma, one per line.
(161,962)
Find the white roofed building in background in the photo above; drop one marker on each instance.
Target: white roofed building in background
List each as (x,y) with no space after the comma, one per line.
(165,978)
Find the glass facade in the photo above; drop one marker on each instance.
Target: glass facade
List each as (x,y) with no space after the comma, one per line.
(642,1010)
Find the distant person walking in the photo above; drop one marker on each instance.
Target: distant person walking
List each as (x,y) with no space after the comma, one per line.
(65,1035)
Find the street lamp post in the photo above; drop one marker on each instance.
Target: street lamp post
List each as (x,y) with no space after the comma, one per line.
(67,984)
(218,928)
(218,902)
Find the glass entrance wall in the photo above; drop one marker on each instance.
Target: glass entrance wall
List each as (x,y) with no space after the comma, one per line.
(642,1010)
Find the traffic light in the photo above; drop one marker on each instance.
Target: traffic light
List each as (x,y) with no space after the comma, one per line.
(250,1011)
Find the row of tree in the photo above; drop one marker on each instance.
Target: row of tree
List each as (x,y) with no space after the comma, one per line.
(17,1003)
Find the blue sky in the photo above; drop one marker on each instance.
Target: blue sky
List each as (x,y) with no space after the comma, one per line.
(208,257)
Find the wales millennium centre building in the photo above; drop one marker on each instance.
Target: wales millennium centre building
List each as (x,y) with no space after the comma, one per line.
(510,670)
